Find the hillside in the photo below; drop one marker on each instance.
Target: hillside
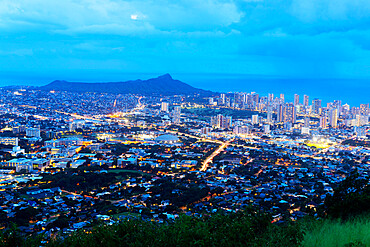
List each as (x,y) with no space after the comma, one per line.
(162,85)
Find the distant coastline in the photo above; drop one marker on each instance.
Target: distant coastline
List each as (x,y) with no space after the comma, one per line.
(351,91)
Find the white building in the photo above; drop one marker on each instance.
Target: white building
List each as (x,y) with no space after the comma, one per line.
(33,132)
(164,107)
(254,119)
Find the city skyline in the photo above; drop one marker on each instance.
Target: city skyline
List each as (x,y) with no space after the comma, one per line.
(354,96)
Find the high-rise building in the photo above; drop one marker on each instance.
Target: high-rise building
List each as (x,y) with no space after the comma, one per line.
(270,98)
(306,100)
(280,113)
(269,114)
(282,97)
(221,122)
(364,109)
(290,113)
(223,98)
(316,104)
(164,107)
(306,122)
(254,119)
(256,98)
(176,114)
(323,122)
(296,99)
(333,118)
(345,109)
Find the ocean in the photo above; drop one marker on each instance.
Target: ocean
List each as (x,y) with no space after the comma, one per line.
(351,91)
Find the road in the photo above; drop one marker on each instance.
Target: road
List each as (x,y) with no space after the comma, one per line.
(214,154)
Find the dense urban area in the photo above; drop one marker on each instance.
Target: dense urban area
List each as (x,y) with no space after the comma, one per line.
(72,161)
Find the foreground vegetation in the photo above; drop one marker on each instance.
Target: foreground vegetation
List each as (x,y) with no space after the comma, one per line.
(246,228)
(238,229)
(344,221)
(333,233)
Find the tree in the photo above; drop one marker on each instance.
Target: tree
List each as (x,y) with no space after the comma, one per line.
(350,198)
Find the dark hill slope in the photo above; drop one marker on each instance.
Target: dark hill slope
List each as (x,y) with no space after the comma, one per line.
(162,85)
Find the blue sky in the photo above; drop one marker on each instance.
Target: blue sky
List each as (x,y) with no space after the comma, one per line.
(89,40)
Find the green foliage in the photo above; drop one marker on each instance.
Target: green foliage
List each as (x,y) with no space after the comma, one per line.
(12,237)
(248,228)
(79,180)
(350,198)
(239,229)
(336,233)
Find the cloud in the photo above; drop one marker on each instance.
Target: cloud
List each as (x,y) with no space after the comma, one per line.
(282,37)
(137,16)
(17,52)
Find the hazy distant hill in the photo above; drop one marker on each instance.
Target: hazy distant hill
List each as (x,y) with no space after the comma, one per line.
(164,85)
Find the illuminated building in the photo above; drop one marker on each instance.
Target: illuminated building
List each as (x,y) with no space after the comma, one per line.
(241,130)
(323,122)
(280,113)
(164,107)
(316,104)
(290,113)
(254,119)
(9,141)
(223,96)
(266,129)
(282,97)
(270,97)
(364,109)
(176,113)
(296,99)
(333,118)
(221,122)
(269,114)
(305,100)
(306,122)
(33,132)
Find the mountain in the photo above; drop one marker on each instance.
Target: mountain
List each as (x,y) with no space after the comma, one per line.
(162,85)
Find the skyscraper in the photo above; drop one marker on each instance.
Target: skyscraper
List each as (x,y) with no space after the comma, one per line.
(316,104)
(282,97)
(223,98)
(296,99)
(290,113)
(305,100)
(176,113)
(269,114)
(280,113)
(364,109)
(256,98)
(270,98)
(333,118)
